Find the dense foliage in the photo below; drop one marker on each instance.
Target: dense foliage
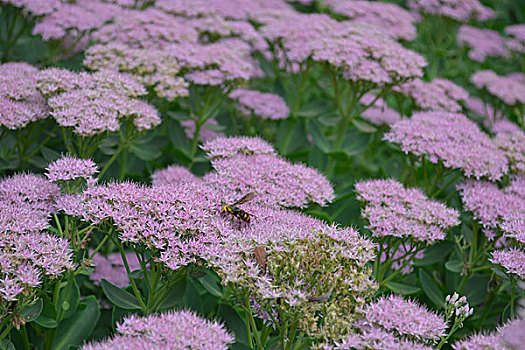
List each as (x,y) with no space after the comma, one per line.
(313,174)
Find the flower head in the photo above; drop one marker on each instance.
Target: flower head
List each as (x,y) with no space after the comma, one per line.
(517,41)
(452,139)
(176,221)
(513,146)
(95,102)
(437,95)
(35,7)
(495,208)
(405,318)
(392,210)
(459,10)
(226,147)
(282,258)
(274,180)
(512,260)
(175,330)
(379,113)
(483,43)
(264,105)
(26,201)
(70,168)
(391,18)
(20,102)
(206,134)
(25,258)
(173,174)
(505,88)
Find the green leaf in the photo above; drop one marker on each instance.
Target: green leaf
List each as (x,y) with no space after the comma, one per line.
(212,284)
(178,137)
(313,109)
(174,294)
(192,298)
(431,288)
(38,161)
(47,317)
(364,126)
(69,305)
(435,253)
(137,274)
(119,296)
(400,288)
(339,156)
(6,345)
(318,136)
(500,273)
(49,154)
(79,327)
(178,115)
(454,265)
(145,152)
(31,312)
(234,322)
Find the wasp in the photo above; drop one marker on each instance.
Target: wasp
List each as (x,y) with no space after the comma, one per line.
(234,210)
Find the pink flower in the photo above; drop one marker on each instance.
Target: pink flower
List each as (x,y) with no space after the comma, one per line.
(173,174)
(452,139)
(20,102)
(437,95)
(264,105)
(513,260)
(177,330)
(70,168)
(392,210)
(459,10)
(507,89)
(483,43)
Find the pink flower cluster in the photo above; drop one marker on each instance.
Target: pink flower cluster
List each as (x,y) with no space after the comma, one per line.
(453,139)
(26,201)
(264,105)
(404,318)
(244,165)
(176,220)
(513,260)
(173,174)
(20,102)
(517,41)
(93,103)
(75,20)
(152,67)
(506,88)
(459,10)
(507,337)
(379,113)
(360,52)
(391,18)
(437,95)
(495,208)
(35,7)
(205,132)
(226,147)
(392,210)
(70,168)
(230,9)
(482,42)
(149,28)
(513,146)
(25,258)
(112,269)
(175,330)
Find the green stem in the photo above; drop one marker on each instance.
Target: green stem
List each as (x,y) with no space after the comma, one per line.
(101,244)
(113,158)
(128,270)
(25,338)
(6,330)
(451,181)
